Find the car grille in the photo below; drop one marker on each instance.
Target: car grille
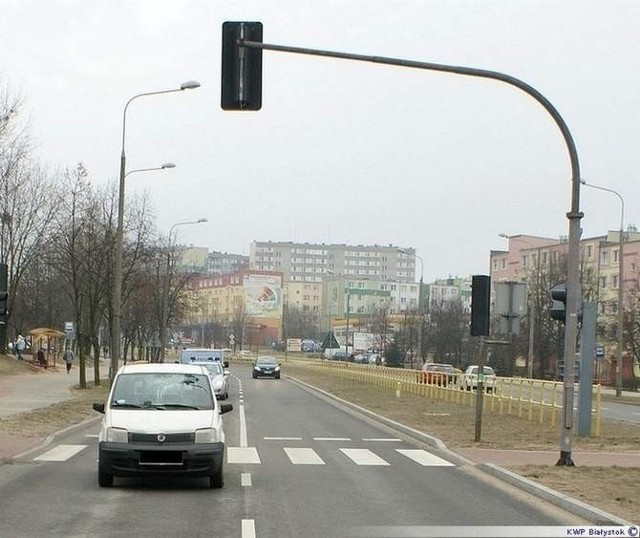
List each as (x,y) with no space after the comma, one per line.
(169,438)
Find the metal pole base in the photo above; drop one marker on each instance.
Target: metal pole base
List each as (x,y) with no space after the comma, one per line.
(565,460)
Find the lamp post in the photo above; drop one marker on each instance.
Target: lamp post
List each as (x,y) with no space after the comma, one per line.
(117,269)
(620,333)
(167,288)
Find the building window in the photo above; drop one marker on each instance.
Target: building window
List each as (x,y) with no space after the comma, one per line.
(603,282)
(504,263)
(616,256)
(495,265)
(614,281)
(589,251)
(604,257)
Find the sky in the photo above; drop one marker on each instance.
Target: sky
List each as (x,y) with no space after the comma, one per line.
(343,151)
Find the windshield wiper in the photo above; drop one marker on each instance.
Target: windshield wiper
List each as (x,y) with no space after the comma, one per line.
(175,405)
(125,404)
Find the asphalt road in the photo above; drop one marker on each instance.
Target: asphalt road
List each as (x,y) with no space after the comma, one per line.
(297,465)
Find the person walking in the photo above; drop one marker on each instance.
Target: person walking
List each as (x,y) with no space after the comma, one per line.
(68,358)
(20,346)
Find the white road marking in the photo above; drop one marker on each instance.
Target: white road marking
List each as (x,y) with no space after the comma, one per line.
(237,454)
(362,456)
(92,435)
(245,479)
(424,458)
(331,439)
(248,528)
(303,456)
(243,427)
(384,440)
(282,438)
(60,453)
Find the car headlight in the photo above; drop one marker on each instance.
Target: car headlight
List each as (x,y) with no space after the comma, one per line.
(217,384)
(277,368)
(206,435)
(256,368)
(117,435)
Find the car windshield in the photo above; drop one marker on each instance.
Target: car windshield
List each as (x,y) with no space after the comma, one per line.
(214,368)
(162,391)
(266,361)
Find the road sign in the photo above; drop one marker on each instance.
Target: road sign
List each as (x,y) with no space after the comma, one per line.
(599,352)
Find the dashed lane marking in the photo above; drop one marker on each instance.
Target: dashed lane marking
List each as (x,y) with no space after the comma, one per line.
(362,456)
(303,456)
(60,453)
(424,458)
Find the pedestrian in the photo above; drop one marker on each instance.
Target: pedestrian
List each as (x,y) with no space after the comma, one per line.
(68,358)
(41,360)
(21,345)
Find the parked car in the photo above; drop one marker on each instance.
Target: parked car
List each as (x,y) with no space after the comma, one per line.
(470,378)
(266,366)
(219,379)
(434,373)
(161,419)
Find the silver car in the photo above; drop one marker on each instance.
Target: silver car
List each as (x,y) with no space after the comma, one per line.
(219,379)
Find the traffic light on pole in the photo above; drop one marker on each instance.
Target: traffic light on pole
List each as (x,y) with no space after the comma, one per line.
(558,306)
(241,66)
(480,304)
(4,296)
(3,303)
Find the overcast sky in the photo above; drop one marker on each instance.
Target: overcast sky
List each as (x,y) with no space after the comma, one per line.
(343,152)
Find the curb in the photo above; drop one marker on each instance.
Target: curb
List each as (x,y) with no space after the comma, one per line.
(569,504)
(52,437)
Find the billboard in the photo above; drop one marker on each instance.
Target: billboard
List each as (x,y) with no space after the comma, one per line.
(262,296)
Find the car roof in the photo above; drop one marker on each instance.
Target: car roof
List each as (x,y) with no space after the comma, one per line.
(161,367)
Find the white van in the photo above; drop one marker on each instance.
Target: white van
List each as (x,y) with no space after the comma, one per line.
(198,354)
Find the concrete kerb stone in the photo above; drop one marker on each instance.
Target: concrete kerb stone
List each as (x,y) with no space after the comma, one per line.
(571,505)
(52,437)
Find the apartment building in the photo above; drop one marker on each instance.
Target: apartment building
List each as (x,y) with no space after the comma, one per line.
(308,262)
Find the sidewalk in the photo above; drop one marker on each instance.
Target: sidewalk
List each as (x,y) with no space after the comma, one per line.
(24,392)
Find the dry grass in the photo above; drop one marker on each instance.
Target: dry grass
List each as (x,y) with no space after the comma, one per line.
(612,489)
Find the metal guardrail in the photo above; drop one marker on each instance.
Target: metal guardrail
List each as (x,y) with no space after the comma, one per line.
(532,399)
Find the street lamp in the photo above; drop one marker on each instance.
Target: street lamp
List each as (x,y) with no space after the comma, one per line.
(167,288)
(620,286)
(117,269)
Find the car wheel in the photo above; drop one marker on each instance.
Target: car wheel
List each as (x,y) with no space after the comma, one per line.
(254,376)
(278,376)
(216,480)
(105,480)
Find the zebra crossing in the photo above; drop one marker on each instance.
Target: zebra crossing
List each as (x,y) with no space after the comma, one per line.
(250,455)
(357,456)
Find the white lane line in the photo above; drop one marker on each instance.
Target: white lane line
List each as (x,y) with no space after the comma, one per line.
(237,454)
(331,439)
(60,453)
(245,479)
(362,456)
(248,528)
(303,456)
(92,435)
(282,438)
(243,427)
(383,440)
(424,458)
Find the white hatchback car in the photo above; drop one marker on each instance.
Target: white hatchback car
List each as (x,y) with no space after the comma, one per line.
(161,419)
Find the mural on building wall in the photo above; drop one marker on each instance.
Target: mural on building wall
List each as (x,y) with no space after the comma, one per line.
(262,296)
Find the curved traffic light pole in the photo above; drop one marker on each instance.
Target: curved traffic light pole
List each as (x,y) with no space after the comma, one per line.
(574,215)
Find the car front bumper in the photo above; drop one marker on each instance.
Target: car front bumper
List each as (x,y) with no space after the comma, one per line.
(266,373)
(128,459)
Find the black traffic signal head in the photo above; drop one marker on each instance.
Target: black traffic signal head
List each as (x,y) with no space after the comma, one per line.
(241,67)
(558,306)
(3,303)
(480,304)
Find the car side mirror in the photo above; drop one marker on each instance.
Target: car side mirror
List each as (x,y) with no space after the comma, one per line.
(225,408)
(99,407)
(225,364)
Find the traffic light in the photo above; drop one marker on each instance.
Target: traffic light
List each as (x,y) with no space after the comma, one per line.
(241,67)
(3,303)
(480,304)
(558,306)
